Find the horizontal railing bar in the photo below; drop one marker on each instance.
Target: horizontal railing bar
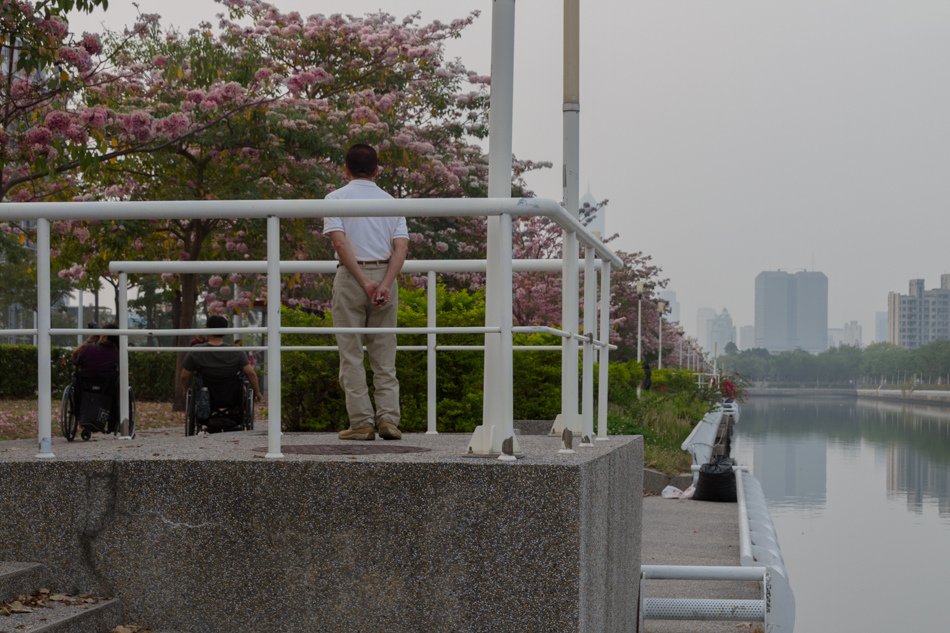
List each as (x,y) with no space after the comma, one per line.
(170,332)
(717,610)
(701,572)
(334,348)
(308,209)
(390,330)
(412,266)
(21,332)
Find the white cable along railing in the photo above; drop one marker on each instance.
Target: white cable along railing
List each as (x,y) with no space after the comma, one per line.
(495,428)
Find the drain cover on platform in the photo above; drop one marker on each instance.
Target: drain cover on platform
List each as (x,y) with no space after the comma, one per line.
(346,449)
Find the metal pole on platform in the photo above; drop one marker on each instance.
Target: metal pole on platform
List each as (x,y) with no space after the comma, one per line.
(660,309)
(44,378)
(604,357)
(79,321)
(123,291)
(497,424)
(590,314)
(571,183)
(639,318)
(273,338)
(430,354)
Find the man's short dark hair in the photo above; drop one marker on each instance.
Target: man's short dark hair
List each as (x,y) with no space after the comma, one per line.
(217,321)
(362,161)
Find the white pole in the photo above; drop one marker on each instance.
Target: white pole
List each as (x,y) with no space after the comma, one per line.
(571,184)
(507,342)
(488,437)
(44,378)
(273,338)
(604,359)
(590,324)
(639,325)
(659,362)
(430,353)
(79,322)
(123,290)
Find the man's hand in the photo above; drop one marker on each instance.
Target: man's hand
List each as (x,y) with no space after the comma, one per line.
(258,396)
(381,297)
(370,287)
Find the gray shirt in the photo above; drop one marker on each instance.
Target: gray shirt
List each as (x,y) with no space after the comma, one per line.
(220,363)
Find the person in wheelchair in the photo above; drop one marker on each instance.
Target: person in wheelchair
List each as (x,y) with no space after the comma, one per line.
(91,401)
(222,386)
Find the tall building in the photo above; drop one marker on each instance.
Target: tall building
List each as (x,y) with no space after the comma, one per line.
(673,306)
(811,309)
(721,333)
(791,311)
(746,337)
(849,335)
(703,318)
(880,327)
(921,316)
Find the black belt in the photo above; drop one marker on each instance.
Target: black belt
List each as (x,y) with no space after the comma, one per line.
(368,262)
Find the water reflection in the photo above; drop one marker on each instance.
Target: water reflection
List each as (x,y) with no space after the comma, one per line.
(859,492)
(789,441)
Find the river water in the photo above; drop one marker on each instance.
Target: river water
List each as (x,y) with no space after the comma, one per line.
(859,493)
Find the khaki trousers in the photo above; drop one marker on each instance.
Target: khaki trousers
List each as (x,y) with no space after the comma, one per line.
(352,308)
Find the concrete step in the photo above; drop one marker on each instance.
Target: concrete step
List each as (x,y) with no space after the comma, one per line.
(20,578)
(71,615)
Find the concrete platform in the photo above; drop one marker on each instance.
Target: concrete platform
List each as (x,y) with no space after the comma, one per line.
(688,532)
(205,534)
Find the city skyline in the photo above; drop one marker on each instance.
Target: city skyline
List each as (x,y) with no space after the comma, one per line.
(738,137)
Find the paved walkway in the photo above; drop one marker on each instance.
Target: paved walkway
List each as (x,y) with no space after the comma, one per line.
(687,532)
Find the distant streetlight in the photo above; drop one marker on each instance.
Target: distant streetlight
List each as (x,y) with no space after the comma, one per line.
(639,316)
(660,308)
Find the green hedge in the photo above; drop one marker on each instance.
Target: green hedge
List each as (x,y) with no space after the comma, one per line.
(151,375)
(313,400)
(310,390)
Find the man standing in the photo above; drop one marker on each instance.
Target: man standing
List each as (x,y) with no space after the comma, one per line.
(371,252)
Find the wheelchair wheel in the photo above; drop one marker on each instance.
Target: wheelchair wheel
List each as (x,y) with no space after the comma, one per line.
(86,434)
(191,424)
(248,409)
(131,414)
(67,415)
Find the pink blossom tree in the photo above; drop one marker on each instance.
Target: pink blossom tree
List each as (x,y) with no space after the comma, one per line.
(264,107)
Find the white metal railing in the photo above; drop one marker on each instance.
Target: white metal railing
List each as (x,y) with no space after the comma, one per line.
(430,267)
(498,329)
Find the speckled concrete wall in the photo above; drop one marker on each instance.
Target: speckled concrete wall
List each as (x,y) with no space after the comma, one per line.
(224,541)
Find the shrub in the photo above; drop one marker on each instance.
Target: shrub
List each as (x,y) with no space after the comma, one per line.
(151,375)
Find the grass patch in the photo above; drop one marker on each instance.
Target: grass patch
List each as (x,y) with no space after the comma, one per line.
(664,421)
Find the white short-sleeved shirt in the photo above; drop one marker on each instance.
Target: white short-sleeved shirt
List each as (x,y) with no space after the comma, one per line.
(372,238)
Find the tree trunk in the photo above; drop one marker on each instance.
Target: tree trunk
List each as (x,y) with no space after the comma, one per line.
(186,318)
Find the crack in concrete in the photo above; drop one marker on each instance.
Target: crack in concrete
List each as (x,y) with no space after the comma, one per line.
(101,494)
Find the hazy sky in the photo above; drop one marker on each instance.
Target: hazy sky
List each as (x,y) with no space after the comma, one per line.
(732,136)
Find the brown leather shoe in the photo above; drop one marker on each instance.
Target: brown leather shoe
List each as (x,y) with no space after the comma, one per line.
(359,433)
(388,430)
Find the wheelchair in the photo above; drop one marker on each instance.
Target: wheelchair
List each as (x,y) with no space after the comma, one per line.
(91,405)
(216,404)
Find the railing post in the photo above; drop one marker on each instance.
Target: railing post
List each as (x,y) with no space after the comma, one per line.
(590,314)
(571,184)
(496,417)
(273,338)
(123,290)
(604,357)
(430,353)
(44,357)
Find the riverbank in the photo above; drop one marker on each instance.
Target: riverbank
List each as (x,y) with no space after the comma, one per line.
(909,396)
